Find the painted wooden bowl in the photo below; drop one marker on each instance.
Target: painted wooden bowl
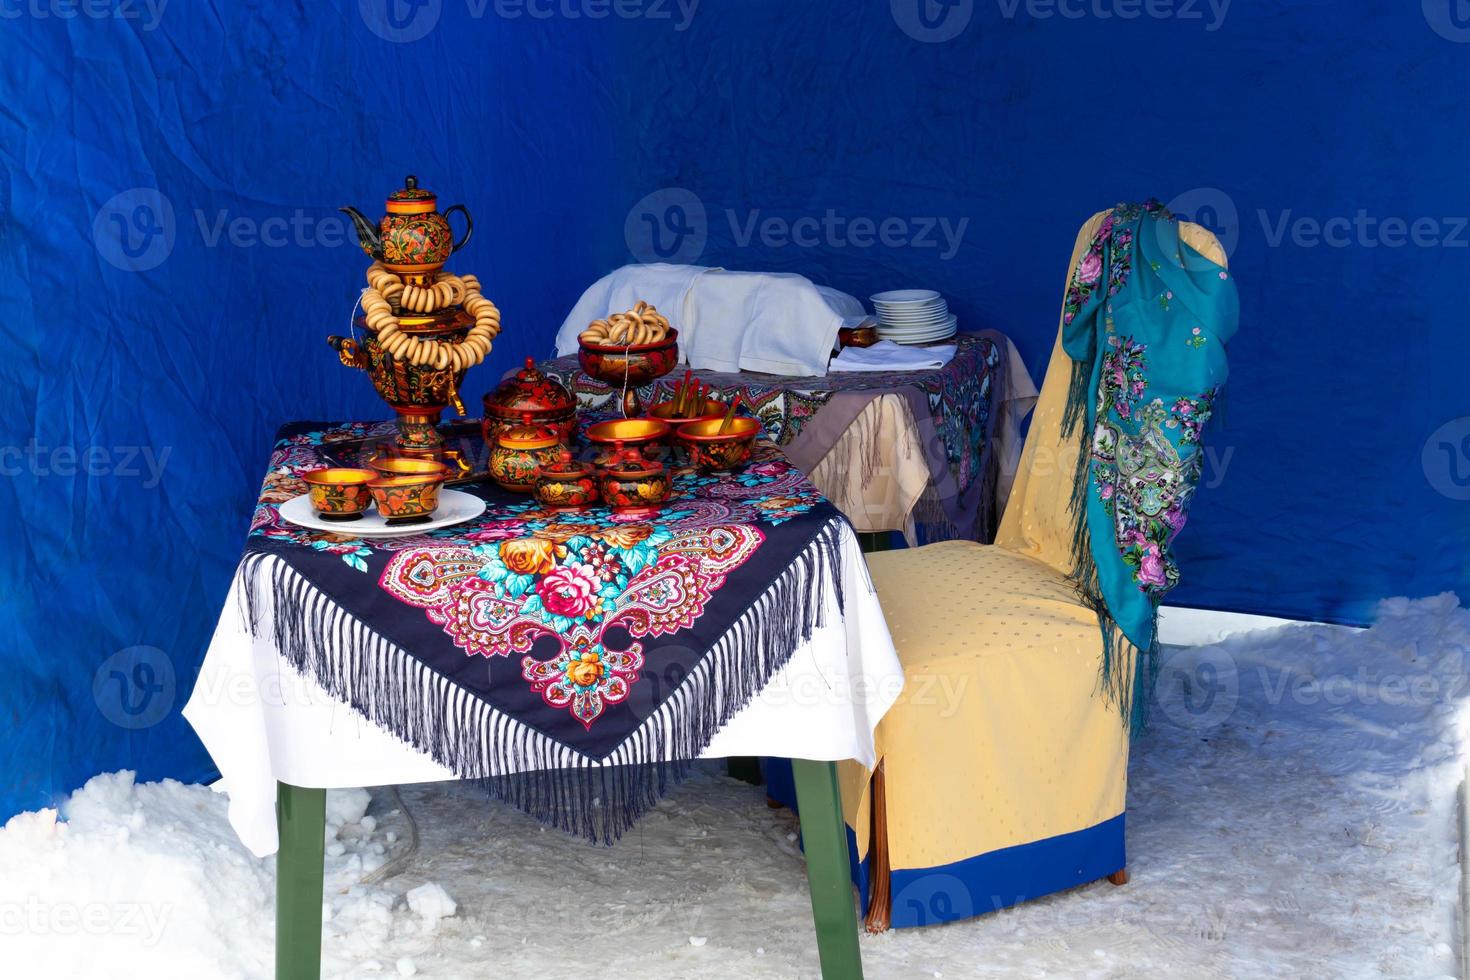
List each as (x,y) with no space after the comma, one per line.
(635,433)
(631,482)
(529,390)
(339,493)
(567,484)
(712,450)
(407,499)
(629,366)
(390,466)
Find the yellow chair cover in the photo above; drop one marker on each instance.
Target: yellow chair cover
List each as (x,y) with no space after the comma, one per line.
(1004,768)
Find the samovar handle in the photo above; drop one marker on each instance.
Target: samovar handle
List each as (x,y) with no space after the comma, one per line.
(469,226)
(349,353)
(454,398)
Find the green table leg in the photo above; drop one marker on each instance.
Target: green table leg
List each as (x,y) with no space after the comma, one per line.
(301,815)
(824,838)
(870,541)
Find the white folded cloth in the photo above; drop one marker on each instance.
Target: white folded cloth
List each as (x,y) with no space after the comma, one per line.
(885,355)
(777,323)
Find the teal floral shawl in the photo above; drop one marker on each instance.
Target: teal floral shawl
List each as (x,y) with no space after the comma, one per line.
(1145,322)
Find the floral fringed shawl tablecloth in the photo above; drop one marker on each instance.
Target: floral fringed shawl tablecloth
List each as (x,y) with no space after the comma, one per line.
(573,662)
(833,429)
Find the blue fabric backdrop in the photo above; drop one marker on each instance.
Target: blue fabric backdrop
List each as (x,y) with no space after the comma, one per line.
(172,260)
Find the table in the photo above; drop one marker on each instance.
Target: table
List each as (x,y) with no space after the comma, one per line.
(926,453)
(572,663)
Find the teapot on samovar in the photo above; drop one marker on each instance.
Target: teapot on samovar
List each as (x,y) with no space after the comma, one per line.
(414,238)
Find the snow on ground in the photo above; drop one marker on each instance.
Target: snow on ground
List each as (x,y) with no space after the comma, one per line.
(1291,812)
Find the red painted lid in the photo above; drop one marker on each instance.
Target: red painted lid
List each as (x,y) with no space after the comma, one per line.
(630,464)
(567,467)
(411,198)
(529,390)
(528,435)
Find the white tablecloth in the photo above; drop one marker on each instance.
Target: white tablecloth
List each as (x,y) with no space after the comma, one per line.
(262,721)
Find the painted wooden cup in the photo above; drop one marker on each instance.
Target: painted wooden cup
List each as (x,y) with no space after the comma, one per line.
(406,499)
(567,484)
(712,450)
(339,493)
(633,483)
(520,452)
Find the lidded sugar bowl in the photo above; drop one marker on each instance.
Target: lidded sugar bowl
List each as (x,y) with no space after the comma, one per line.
(567,484)
(518,454)
(530,390)
(631,481)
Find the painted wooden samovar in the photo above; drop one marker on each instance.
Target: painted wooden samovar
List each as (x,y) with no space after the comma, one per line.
(421,327)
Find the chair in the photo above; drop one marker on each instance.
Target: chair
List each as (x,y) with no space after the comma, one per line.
(1003,767)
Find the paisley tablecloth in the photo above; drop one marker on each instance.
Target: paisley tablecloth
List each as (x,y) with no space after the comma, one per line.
(572,662)
(931,457)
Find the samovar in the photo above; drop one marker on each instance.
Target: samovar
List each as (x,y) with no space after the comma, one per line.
(411,307)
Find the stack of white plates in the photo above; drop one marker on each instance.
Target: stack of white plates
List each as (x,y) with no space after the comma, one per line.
(913,316)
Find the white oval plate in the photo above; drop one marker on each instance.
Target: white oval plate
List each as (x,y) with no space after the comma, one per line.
(911,335)
(923,342)
(923,304)
(886,314)
(928,304)
(905,296)
(918,338)
(455,507)
(915,321)
(949,321)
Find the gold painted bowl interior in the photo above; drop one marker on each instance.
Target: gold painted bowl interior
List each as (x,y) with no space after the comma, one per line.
(630,431)
(339,489)
(396,466)
(708,430)
(338,476)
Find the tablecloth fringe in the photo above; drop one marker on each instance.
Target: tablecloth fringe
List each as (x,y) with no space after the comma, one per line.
(559,786)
